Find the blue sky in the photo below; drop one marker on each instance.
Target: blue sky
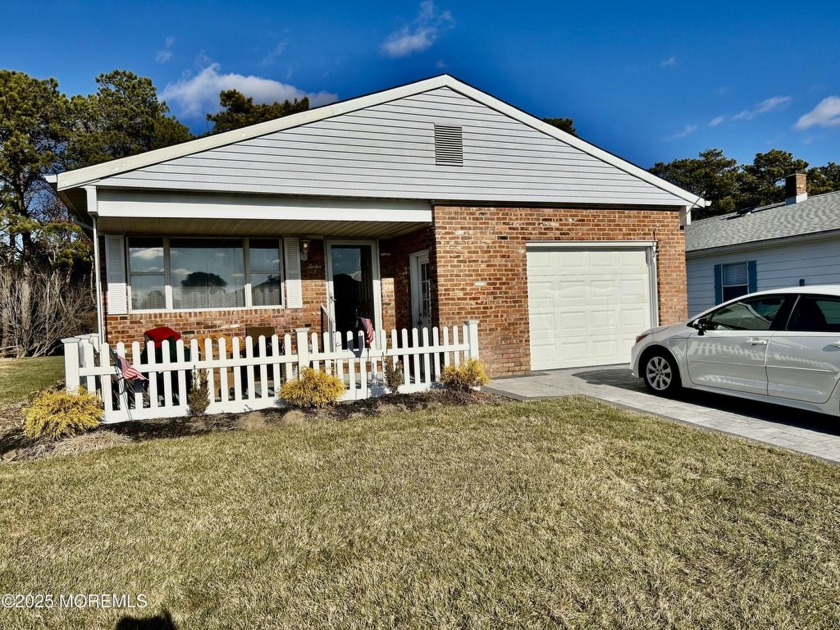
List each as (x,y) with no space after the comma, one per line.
(649,81)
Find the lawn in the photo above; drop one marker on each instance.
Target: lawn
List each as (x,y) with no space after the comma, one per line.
(565,512)
(21,377)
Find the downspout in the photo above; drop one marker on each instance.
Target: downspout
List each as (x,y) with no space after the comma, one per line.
(93,212)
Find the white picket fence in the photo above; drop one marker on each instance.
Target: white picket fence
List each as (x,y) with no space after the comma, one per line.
(247,374)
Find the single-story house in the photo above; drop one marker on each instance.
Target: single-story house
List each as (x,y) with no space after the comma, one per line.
(791,243)
(426,204)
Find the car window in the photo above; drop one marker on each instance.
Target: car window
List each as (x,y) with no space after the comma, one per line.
(758,313)
(816,314)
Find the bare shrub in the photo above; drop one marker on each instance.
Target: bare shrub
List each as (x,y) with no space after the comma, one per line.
(40,307)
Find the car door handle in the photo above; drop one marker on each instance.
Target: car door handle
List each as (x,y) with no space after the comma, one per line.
(755,341)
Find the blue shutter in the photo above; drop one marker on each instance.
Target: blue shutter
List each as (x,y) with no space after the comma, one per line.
(752,282)
(718,284)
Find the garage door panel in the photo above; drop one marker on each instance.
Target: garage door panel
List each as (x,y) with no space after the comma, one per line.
(602,287)
(633,289)
(570,320)
(603,349)
(586,305)
(571,290)
(603,320)
(637,320)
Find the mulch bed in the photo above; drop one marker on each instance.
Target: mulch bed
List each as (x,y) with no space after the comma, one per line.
(15,446)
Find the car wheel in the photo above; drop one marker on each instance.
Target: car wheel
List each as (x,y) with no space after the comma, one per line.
(660,373)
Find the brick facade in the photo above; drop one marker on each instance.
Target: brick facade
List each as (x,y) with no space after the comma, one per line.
(480,270)
(396,269)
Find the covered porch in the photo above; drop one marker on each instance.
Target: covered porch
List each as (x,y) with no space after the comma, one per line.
(211,265)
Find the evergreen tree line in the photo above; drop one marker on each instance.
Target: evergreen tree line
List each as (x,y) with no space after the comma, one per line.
(46,290)
(731,186)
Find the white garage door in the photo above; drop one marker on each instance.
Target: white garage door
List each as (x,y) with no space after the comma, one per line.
(586,306)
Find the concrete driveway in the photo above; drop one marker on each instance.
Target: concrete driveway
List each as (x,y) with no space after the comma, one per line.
(811,433)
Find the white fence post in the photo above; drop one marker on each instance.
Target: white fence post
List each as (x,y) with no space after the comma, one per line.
(72,379)
(472,338)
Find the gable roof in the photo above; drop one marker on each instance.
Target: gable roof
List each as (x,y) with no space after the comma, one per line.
(775,221)
(118,172)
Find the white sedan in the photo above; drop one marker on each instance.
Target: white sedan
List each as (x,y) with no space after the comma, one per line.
(780,346)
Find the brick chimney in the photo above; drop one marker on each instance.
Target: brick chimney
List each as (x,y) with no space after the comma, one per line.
(796,188)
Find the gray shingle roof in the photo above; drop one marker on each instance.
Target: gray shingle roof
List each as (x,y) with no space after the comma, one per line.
(815,214)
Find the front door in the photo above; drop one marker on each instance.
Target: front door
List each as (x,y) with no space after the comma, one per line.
(421,296)
(353,284)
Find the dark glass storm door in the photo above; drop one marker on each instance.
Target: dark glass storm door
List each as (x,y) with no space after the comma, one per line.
(352,275)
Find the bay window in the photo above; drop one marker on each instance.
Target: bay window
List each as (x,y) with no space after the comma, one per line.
(204,273)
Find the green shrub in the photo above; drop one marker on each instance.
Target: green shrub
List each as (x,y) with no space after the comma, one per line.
(312,389)
(464,377)
(394,376)
(55,414)
(199,396)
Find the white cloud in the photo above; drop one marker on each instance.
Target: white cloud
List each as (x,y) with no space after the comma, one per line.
(198,95)
(763,107)
(686,131)
(275,52)
(714,122)
(424,31)
(667,63)
(826,114)
(165,54)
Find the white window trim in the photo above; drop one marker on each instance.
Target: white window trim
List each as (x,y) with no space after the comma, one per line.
(415,260)
(167,275)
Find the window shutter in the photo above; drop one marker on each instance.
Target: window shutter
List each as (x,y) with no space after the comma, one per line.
(718,284)
(115,275)
(294,286)
(752,274)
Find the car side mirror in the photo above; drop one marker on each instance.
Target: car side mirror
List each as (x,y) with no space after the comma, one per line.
(702,325)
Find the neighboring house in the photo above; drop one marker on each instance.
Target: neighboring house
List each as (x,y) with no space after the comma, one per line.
(426,204)
(791,243)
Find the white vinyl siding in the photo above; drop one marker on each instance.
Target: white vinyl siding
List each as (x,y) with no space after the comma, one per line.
(815,262)
(388,150)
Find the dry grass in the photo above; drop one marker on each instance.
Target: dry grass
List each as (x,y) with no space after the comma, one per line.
(21,377)
(568,513)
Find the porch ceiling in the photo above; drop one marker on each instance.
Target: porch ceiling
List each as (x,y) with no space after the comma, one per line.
(255,227)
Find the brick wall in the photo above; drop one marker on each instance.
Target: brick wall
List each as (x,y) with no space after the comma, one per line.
(396,275)
(480,267)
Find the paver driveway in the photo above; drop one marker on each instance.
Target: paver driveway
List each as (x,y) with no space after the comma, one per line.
(806,432)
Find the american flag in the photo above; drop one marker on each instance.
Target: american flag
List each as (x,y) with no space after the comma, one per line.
(128,371)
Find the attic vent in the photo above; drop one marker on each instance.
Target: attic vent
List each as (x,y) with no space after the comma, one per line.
(449,145)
